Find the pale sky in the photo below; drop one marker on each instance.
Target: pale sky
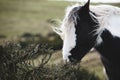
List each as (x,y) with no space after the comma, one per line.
(103,1)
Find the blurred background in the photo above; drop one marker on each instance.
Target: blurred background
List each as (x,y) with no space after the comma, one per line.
(25,26)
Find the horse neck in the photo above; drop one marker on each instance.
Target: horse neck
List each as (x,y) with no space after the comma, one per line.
(109,49)
(110,45)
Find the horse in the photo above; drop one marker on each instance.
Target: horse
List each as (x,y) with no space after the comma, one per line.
(86,27)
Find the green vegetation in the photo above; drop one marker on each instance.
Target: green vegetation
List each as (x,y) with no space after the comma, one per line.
(20,16)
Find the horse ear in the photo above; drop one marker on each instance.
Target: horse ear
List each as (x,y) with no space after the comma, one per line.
(86,6)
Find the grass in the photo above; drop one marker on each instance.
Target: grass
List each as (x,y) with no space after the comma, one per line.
(20,16)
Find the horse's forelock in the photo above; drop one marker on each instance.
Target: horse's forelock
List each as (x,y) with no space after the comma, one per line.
(70,18)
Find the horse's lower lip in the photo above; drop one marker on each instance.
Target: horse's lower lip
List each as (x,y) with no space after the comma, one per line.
(73,61)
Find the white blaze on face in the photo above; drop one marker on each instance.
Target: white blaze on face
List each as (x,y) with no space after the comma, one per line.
(68,28)
(69,42)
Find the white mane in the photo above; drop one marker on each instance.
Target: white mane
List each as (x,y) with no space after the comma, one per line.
(109,18)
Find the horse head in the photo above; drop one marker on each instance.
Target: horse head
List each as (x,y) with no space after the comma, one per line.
(78,30)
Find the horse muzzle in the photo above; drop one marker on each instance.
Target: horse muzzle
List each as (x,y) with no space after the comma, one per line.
(73,60)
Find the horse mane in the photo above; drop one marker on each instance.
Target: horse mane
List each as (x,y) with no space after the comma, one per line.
(103,13)
(69,18)
(107,15)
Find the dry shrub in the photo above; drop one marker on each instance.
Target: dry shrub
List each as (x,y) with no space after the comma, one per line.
(13,65)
